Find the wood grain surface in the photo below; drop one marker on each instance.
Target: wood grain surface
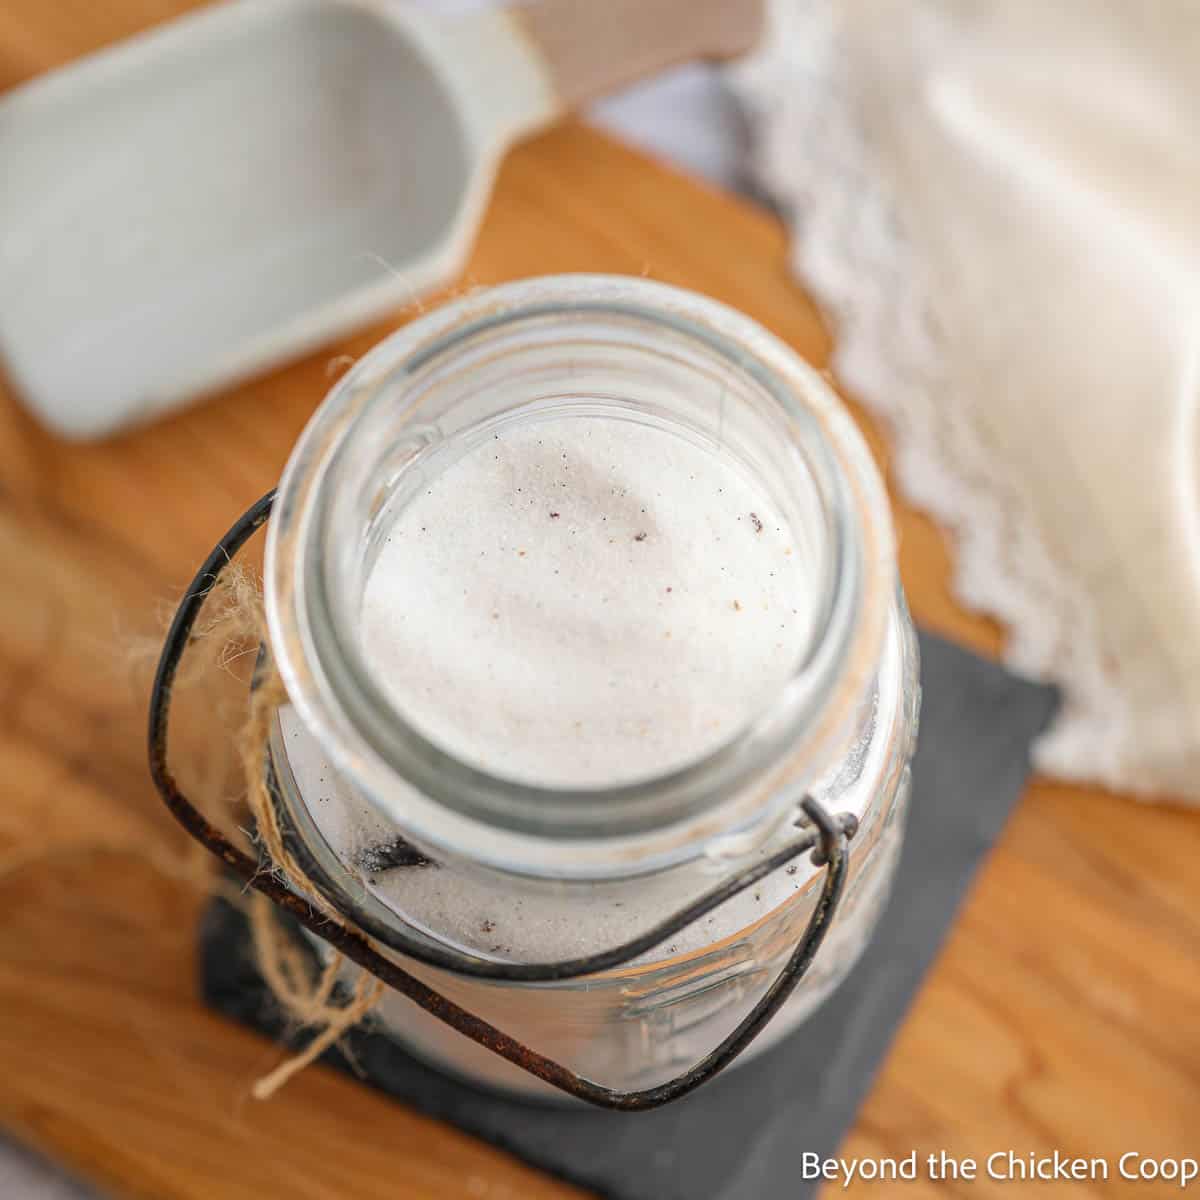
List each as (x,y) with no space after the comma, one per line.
(1064,1013)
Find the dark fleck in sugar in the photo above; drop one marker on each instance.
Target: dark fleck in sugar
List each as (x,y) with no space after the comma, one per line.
(384,856)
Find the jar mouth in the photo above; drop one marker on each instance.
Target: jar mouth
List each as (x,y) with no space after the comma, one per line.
(441,799)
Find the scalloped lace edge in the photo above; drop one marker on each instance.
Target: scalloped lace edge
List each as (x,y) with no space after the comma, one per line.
(849,249)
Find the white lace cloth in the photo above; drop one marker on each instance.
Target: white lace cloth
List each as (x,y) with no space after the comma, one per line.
(999,206)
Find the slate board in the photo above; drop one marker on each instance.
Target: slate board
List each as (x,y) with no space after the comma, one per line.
(741,1137)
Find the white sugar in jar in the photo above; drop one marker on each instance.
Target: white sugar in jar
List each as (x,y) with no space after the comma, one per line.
(578,586)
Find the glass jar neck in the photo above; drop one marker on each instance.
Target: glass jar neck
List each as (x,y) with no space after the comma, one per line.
(540,348)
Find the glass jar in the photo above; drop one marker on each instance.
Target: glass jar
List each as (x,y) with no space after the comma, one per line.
(504,868)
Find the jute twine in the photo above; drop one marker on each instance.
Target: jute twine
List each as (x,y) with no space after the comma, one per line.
(309,998)
(230,629)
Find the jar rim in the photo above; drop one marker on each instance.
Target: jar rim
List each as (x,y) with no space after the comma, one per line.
(450,804)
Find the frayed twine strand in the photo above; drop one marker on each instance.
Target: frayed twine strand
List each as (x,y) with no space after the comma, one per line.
(231,628)
(308,998)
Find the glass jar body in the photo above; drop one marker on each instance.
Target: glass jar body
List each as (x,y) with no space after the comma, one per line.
(498,879)
(639,1026)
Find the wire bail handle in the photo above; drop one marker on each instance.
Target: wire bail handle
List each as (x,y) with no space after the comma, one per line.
(828,838)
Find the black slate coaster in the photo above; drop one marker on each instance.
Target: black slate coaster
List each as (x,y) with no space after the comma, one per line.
(742,1136)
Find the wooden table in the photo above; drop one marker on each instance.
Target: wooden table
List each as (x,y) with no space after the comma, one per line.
(1063,1014)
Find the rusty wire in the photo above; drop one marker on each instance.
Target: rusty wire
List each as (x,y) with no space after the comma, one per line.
(828,837)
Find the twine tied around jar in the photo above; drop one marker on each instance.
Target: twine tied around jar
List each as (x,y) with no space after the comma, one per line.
(279,880)
(309,999)
(310,1002)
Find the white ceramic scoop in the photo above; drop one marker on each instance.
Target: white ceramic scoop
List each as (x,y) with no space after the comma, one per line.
(236,187)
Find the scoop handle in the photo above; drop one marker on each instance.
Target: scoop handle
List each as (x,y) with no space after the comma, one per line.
(592,47)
